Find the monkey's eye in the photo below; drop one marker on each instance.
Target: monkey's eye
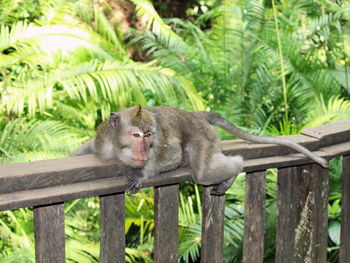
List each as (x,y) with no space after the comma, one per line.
(147,134)
(136,134)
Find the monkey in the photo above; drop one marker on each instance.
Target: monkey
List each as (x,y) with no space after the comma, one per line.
(158,139)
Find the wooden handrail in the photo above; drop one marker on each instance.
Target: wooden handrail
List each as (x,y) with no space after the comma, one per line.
(59,180)
(46,185)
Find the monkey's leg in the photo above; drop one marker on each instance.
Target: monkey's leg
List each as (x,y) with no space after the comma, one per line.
(214,168)
(231,166)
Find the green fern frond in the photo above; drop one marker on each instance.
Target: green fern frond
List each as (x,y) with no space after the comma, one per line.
(10,36)
(36,140)
(342,75)
(323,112)
(114,82)
(225,31)
(324,21)
(151,19)
(26,254)
(57,12)
(190,229)
(105,29)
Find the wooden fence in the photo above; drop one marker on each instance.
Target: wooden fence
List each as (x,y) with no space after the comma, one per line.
(301,206)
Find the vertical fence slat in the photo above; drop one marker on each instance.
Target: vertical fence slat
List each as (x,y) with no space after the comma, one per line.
(49,234)
(311,231)
(112,229)
(345,210)
(254,210)
(213,209)
(166,211)
(320,219)
(287,201)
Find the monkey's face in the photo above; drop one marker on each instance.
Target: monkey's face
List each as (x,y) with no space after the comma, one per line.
(136,145)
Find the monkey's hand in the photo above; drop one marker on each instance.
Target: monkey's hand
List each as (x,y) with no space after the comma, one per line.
(134,184)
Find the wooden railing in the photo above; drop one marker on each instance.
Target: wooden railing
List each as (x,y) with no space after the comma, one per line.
(301,205)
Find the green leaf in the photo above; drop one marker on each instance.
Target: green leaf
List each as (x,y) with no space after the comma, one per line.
(334,232)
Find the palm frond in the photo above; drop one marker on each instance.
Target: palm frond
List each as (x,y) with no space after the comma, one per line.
(254,17)
(190,228)
(323,112)
(25,254)
(117,83)
(82,251)
(57,12)
(79,115)
(342,75)
(34,140)
(63,39)
(169,51)
(225,34)
(151,19)
(319,24)
(105,29)
(234,224)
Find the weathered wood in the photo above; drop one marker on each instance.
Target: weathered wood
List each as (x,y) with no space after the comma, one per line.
(166,211)
(213,212)
(277,162)
(344,256)
(53,194)
(249,150)
(49,234)
(330,134)
(311,138)
(320,218)
(31,175)
(48,173)
(62,193)
(43,184)
(287,201)
(254,211)
(112,228)
(311,231)
(19,182)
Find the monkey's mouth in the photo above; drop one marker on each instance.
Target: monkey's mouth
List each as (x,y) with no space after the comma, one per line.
(138,162)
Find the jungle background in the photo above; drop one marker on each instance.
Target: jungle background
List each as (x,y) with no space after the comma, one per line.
(273,67)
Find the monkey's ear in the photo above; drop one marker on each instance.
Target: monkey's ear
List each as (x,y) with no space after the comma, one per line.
(113,120)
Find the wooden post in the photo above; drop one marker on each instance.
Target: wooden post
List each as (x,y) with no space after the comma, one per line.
(213,210)
(287,202)
(112,229)
(345,216)
(254,211)
(49,234)
(311,232)
(166,213)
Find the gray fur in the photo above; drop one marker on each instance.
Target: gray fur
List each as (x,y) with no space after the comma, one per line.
(178,138)
(86,148)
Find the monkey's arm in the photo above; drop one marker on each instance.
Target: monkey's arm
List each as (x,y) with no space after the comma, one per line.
(215,119)
(86,148)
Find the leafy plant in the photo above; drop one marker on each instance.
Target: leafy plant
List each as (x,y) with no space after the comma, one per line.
(273,67)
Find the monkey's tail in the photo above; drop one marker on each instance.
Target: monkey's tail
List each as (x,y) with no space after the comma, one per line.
(215,119)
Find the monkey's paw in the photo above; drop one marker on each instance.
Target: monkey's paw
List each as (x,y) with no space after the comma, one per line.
(221,188)
(134,184)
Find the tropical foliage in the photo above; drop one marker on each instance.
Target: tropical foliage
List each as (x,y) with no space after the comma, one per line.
(274,67)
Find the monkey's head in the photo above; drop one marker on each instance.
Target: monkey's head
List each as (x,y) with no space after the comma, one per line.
(134,129)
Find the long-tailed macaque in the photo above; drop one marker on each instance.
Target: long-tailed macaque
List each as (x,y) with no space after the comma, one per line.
(158,139)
